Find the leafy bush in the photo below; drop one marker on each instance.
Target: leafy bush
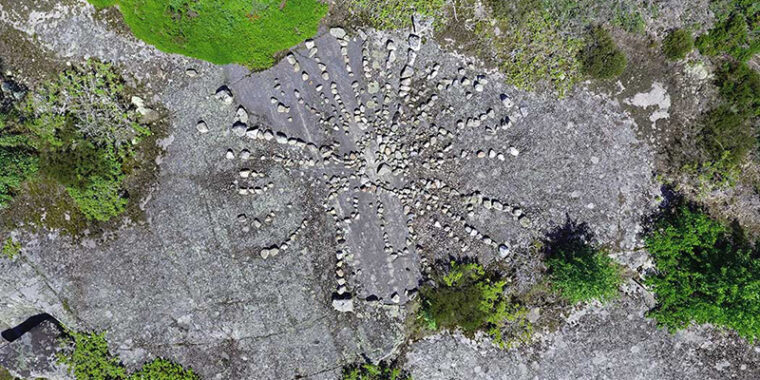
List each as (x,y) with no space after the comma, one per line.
(91,97)
(87,356)
(728,134)
(677,44)
(85,131)
(471,299)
(579,271)
(706,273)
(601,58)
(232,31)
(369,371)
(11,248)
(736,35)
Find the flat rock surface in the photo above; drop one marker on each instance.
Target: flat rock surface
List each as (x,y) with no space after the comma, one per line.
(350,166)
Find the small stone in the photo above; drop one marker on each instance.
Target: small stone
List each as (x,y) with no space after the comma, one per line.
(506,100)
(503,251)
(242,115)
(202,127)
(192,73)
(230,154)
(239,129)
(513,151)
(338,33)
(383,169)
(224,95)
(395,298)
(415,42)
(343,305)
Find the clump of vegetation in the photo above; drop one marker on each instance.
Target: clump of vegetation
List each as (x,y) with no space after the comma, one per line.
(677,44)
(472,299)
(737,35)
(579,271)
(393,14)
(530,55)
(247,32)
(11,248)
(602,58)
(77,130)
(87,357)
(728,134)
(706,272)
(369,371)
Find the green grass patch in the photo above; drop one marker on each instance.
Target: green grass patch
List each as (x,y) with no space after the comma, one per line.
(247,32)
(87,357)
(579,271)
(472,299)
(369,371)
(11,248)
(677,44)
(706,272)
(602,58)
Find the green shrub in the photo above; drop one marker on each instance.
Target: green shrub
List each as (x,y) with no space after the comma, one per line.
(369,371)
(727,133)
(471,299)
(85,130)
(222,31)
(87,356)
(579,271)
(677,44)
(11,248)
(601,58)
(706,273)
(736,35)
(739,87)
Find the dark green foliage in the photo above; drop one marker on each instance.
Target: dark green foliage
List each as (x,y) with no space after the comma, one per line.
(80,131)
(737,35)
(739,87)
(578,270)
(248,32)
(88,358)
(706,273)
(369,371)
(728,134)
(18,160)
(470,298)
(677,44)
(601,58)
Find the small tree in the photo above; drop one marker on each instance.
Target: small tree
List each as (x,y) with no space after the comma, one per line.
(706,273)
(677,44)
(578,270)
(472,299)
(601,58)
